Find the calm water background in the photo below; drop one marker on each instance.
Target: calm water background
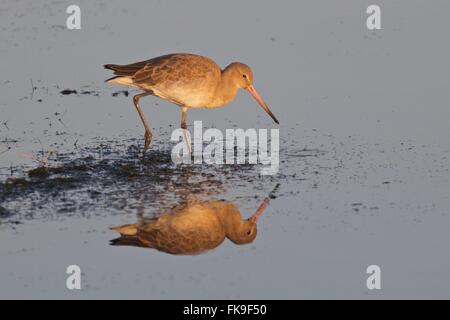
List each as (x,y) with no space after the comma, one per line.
(365,146)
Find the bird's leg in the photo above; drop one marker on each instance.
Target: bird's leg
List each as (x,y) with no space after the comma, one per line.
(187,139)
(148,132)
(183,118)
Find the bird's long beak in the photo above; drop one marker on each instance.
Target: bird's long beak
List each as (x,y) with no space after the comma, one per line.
(261,102)
(254,218)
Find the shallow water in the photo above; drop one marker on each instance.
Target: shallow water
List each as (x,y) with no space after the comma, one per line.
(364,172)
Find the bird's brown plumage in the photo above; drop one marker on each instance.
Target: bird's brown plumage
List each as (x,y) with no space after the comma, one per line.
(185,79)
(188,80)
(191,228)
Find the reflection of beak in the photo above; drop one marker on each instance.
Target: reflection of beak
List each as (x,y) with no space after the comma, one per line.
(254,218)
(261,102)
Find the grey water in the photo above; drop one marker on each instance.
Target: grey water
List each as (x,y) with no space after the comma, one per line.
(364,175)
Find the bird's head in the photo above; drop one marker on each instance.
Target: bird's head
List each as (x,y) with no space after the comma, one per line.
(244,233)
(246,230)
(242,76)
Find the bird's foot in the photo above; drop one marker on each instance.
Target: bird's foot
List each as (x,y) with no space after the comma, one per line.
(187,140)
(148,140)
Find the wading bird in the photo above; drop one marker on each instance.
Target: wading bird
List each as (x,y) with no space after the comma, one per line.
(187,80)
(192,228)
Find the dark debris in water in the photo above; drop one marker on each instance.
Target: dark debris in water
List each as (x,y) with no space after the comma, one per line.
(121,92)
(113,178)
(90,92)
(39,172)
(94,93)
(68,92)
(4,213)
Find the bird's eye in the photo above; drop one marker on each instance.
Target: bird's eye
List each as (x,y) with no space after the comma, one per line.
(249,232)
(244,76)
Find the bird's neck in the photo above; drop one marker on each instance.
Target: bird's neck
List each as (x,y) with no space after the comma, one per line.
(231,220)
(227,89)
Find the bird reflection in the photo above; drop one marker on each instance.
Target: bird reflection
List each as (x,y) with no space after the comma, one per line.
(192,228)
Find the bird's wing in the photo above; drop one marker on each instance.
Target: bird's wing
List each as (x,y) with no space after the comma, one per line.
(127,70)
(130,70)
(174,67)
(176,241)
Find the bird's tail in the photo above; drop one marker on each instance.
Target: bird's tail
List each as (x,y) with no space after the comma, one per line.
(124,70)
(111,66)
(123,74)
(131,241)
(128,236)
(126,230)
